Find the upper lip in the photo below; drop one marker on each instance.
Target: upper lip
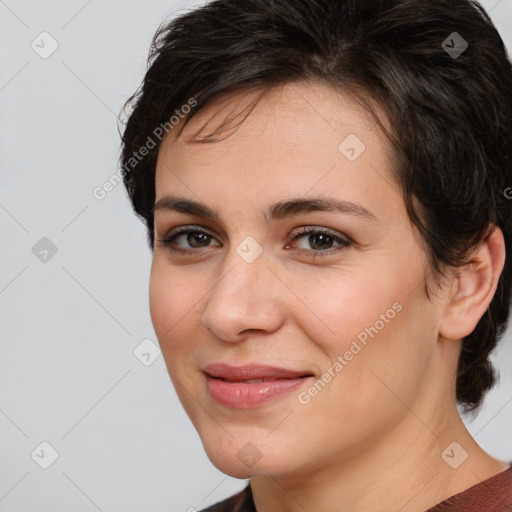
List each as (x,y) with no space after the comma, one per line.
(252,371)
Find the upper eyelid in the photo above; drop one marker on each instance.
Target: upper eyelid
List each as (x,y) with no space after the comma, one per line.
(196,228)
(316,229)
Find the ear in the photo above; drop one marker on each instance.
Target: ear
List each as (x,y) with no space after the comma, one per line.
(473,287)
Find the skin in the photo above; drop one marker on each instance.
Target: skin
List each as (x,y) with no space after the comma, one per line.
(387,417)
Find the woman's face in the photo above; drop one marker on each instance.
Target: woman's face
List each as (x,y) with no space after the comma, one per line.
(296,264)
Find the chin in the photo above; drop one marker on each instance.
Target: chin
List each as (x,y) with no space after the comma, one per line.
(230,464)
(243,459)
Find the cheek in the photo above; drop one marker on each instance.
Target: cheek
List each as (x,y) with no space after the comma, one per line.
(380,325)
(161,302)
(340,308)
(172,302)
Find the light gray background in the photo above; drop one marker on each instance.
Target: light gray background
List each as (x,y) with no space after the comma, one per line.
(69,325)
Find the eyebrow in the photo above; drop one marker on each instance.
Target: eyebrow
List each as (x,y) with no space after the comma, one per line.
(276,211)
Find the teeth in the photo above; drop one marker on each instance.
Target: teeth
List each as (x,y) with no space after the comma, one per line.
(251,381)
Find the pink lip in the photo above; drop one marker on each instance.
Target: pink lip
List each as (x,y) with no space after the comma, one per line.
(228,384)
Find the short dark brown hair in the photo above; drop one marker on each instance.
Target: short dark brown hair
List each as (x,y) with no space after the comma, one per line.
(437,69)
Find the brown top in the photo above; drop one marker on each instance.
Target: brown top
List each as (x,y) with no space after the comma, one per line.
(491,495)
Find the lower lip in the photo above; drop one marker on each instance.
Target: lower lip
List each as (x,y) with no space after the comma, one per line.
(244,395)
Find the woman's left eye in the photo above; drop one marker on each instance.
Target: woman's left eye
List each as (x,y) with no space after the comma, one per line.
(320,241)
(314,241)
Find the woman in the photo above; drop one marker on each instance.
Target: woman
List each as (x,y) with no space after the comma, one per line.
(323,186)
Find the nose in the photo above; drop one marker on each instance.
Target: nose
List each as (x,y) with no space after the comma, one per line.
(245,300)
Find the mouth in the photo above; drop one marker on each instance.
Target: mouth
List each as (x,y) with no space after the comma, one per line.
(249,386)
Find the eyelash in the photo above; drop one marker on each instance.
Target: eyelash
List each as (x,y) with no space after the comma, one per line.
(167,240)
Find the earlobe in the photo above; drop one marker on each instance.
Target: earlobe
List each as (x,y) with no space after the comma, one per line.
(473,287)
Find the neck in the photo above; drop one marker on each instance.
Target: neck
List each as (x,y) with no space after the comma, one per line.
(403,470)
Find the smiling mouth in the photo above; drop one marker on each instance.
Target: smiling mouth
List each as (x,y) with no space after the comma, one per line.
(252,372)
(250,386)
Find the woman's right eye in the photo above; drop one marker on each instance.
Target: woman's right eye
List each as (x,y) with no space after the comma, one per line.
(187,240)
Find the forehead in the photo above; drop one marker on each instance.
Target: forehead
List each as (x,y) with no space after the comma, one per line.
(294,138)
(305,107)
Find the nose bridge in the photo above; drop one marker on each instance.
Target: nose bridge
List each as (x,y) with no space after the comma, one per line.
(247,262)
(243,297)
